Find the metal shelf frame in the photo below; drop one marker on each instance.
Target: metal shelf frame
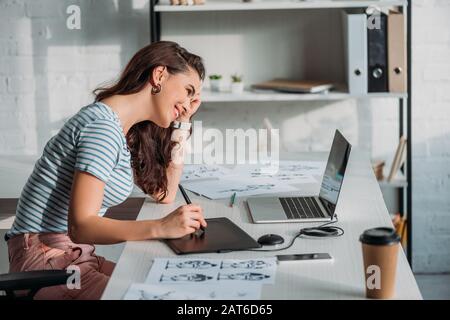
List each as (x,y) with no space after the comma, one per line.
(405,109)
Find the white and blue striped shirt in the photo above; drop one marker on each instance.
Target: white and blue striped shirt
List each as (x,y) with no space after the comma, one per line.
(91,141)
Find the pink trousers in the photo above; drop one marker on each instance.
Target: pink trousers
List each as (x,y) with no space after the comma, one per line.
(55,251)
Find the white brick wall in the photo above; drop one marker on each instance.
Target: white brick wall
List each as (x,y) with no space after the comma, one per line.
(47,73)
(2,84)
(431,135)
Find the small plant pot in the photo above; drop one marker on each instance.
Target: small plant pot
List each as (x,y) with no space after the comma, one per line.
(215,85)
(237,87)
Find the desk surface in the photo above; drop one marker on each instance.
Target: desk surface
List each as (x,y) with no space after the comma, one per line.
(360,207)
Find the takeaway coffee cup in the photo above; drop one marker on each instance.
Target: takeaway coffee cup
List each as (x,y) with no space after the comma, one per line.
(380,249)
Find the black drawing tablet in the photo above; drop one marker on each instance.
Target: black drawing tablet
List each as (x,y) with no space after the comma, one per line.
(221,235)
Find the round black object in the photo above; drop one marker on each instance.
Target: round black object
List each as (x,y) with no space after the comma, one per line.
(380,236)
(270,240)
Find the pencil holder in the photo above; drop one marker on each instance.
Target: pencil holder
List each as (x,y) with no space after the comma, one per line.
(237,87)
(215,81)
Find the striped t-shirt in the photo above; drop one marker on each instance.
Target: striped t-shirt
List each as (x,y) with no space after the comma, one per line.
(91,141)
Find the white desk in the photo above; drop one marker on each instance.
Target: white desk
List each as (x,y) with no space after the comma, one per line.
(360,207)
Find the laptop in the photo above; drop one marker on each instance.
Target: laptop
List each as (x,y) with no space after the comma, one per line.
(308,209)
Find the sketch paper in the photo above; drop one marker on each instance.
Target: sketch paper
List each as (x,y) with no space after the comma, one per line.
(287,171)
(315,168)
(248,270)
(283,174)
(219,182)
(193,172)
(212,271)
(142,291)
(224,188)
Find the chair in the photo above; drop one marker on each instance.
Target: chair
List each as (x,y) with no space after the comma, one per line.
(31,281)
(35,280)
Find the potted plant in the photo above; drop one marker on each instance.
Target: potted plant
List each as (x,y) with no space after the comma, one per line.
(215,81)
(237,86)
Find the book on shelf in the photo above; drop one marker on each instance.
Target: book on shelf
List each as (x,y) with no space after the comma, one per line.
(398,160)
(399,223)
(294,86)
(377,166)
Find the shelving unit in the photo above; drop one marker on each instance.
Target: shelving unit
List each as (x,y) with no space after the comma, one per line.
(399,182)
(403,183)
(237,5)
(209,96)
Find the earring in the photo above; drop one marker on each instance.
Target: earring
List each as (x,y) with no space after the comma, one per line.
(156,90)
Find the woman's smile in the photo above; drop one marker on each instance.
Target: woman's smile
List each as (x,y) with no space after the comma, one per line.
(177,111)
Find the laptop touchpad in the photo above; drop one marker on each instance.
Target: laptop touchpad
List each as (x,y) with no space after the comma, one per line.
(266,209)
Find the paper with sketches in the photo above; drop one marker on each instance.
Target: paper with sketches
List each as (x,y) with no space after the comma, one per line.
(288,171)
(283,174)
(224,188)
(212,271)
(142,291)
(219,182)
(316,168)
(192,172)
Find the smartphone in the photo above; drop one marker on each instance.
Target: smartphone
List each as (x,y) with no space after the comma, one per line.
(305,256)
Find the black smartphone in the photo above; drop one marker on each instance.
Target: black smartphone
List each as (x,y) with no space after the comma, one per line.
(305,256)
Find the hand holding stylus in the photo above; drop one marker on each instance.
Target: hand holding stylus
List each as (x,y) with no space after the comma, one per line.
(185,220)
(200,231)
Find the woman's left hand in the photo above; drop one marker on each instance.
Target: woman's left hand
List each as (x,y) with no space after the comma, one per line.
(189,109)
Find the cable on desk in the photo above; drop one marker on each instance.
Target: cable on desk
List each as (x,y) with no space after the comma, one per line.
(322,231)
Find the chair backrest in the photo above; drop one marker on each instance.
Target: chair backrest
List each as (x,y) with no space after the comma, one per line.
(31,282)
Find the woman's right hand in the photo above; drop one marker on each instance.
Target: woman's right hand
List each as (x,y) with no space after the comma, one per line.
(184,220)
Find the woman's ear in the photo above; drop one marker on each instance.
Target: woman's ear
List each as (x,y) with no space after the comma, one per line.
(158,75)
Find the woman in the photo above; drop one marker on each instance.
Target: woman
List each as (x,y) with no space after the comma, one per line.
(126,136)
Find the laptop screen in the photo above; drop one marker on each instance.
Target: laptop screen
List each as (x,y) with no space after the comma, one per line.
(334,172)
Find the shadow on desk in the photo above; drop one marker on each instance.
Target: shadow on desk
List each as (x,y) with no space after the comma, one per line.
(8,206)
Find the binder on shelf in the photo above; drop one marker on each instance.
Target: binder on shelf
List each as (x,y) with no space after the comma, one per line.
(396,52)
(399,159)
(355,46)
(377,56)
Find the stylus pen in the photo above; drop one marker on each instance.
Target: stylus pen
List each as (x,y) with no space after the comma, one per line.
(188,201)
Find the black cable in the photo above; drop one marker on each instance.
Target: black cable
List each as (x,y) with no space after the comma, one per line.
(321,231)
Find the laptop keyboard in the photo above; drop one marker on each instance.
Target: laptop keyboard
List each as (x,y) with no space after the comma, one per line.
(301,208)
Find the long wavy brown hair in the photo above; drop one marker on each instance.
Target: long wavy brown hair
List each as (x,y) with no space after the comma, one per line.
(150,145)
